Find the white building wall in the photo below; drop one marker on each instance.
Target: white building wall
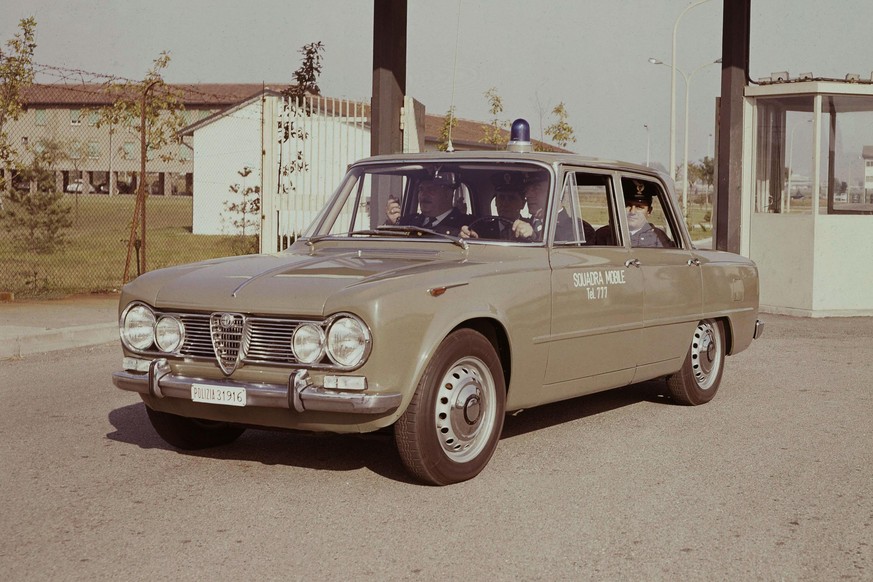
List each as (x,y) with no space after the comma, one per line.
(221,150)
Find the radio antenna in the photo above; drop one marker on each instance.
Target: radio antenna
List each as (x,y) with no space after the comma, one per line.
(449,146)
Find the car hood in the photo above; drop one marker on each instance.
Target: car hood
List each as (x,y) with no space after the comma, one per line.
(285,283)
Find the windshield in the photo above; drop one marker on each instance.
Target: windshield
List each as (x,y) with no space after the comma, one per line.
(478,201)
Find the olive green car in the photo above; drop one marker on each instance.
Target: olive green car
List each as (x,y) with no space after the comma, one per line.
(438,330)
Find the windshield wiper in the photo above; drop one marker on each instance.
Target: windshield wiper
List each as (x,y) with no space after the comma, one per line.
(388,229)
(421,230)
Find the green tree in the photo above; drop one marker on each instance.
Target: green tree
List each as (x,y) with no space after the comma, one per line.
(561,132)
(495,131)
(38,218)
(245,213)
(16,75)
(153,110)
(449,122)
(305,83)
(306,75)
(707,171)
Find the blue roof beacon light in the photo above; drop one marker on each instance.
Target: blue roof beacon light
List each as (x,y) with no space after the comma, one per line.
(519,137)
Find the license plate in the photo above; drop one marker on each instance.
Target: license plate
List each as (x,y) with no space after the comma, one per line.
(228,396)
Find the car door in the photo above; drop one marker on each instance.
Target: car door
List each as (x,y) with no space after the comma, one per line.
(672,302)
(597,299)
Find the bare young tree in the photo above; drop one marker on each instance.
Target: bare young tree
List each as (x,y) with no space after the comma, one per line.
(561,132)
(495,131)
(153,110)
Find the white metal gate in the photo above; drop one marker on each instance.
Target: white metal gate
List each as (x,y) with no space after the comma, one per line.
(305,157)
(314,141)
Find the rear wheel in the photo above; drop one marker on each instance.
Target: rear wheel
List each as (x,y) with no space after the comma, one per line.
(700,376)
(452,425)
(192,433)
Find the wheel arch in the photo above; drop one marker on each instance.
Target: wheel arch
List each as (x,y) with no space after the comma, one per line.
(496,334)
(728,334)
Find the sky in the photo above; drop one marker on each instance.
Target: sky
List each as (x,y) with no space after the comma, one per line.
(591,55)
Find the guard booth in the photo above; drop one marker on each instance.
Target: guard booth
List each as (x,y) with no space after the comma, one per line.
(808,195)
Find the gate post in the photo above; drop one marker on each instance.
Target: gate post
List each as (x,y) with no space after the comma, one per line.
(269,239)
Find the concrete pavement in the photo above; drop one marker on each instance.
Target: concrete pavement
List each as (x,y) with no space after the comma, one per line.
(31,326)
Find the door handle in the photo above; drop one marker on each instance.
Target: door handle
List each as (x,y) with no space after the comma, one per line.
(694,262)
(632,263)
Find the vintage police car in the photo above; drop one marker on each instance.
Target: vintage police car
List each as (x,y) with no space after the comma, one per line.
(510,279)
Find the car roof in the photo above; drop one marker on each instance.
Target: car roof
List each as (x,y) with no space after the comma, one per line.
(549,158)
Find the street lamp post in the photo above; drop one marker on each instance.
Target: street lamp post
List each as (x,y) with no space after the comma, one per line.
(687,79)
(673,88)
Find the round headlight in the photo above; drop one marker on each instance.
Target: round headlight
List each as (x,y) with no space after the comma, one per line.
(169,333)
(347,341)
(138,329)
(307,343)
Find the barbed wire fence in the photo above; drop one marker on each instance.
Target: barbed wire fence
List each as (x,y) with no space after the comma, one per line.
(85,177)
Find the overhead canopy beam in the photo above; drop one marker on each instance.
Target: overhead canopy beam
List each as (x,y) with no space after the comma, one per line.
(734,76)
(389,75)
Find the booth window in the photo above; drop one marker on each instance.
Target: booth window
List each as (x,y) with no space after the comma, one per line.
(791,170)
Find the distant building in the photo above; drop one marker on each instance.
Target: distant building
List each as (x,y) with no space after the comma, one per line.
(68,114)
(223,136)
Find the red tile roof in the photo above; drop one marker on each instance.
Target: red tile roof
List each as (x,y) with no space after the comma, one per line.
(465,135)
(210,95)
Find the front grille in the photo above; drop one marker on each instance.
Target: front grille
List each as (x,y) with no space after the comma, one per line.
(264,340)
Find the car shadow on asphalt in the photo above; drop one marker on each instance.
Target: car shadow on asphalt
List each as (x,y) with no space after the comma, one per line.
(556,413)
(376,451)
(329,452)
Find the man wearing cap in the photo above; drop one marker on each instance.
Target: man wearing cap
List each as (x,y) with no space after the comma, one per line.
(638,205)
(643,233)
(437,212)
(509,201)
(536,192)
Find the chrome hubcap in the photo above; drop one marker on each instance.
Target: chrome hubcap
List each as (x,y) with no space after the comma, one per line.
(465,409)
(706,354)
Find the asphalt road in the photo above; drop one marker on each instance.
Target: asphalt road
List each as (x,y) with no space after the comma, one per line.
(773,480)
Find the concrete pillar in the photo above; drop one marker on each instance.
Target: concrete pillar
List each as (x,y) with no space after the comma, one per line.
(729,156)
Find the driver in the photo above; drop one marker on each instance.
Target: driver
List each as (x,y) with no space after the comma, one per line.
(509,201)
(435,195)
(536,192)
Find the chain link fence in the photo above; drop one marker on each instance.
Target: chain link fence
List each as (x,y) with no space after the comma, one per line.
(68,194)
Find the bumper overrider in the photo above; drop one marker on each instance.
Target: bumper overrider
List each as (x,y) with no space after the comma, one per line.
(298,394)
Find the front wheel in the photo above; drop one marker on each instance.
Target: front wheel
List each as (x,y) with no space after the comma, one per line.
(452,425)
(192,433)
(700,376)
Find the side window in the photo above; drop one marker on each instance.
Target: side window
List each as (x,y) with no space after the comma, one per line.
(650,224)
(585,216)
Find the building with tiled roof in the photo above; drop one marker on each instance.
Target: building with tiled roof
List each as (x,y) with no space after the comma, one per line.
(107,159)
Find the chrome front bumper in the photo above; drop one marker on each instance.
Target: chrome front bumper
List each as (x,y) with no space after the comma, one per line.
(299,393)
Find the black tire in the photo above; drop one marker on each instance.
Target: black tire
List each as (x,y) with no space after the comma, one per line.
(453,423)
(190,434)
(698,380)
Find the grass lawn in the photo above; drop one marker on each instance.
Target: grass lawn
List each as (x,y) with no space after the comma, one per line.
(94,255)
(93,258)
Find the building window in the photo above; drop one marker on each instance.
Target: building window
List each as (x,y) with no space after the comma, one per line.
(41,117)
(184,152)
(39,147)
(75,151)
(93,117)
(93,150)
(128,150)
(75,117)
